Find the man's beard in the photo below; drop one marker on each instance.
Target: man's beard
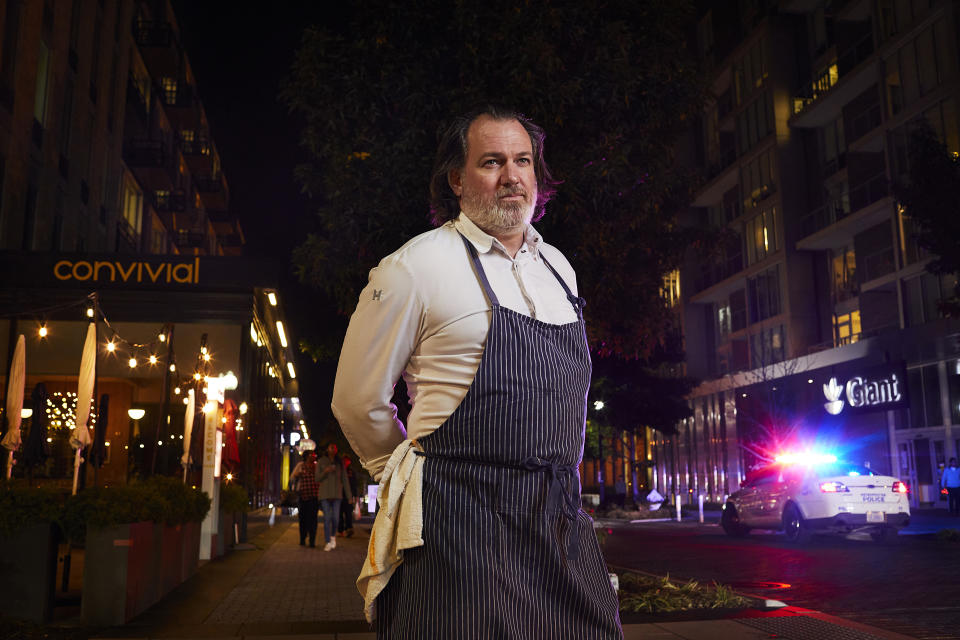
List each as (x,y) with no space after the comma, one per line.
(494,215)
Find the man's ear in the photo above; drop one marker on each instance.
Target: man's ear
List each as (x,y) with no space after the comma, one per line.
(455,182)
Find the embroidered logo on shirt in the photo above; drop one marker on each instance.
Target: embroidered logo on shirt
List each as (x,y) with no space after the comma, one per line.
(377,293)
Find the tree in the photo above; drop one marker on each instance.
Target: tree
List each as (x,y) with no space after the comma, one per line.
(931,197)
(611,82)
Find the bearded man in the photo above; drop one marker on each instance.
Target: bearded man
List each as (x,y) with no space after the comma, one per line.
(480,532)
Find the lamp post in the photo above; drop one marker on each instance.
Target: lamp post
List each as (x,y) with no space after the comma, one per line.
(598,406)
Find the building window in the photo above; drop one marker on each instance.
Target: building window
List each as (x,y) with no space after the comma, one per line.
(670,291)
(953,387)
(846,328)
(924,384)
(755,122)
(758,179)
(763,293)
(766,347)
(761,236)
(158,240)
(844,270)
(169,88)
(750,72)
(874,252)
(132,207)
(922,297)
(832,147)
(162,199)
(43,76)
(187,137)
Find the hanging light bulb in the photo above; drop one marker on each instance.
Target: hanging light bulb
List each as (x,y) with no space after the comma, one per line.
(133,363)
(153,359)
(173,367)
(196,376)
(162,337)
(176,391)
(111,346)
(42,331)
(206,357)
(89,312)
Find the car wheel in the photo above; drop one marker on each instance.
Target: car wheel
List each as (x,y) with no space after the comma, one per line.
(887,535)
(794,527)
(730,521)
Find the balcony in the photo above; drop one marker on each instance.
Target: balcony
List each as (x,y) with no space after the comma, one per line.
(213,192)
(190,239)
(158,46)
(822,98)
(153,163)
(172,202)
(183,107)
(852,209)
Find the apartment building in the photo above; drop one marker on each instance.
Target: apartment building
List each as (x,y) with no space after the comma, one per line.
(112,189)
(818,328)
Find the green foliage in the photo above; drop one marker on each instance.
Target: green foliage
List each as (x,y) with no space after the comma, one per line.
(931,197)
(948,535)
(233,498)
(22,506)
(157,499)
(654,594)
(612,84)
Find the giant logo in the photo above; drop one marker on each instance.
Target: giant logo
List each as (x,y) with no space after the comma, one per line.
(861,392)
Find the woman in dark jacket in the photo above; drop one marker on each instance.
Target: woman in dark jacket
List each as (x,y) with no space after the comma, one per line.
(304,474)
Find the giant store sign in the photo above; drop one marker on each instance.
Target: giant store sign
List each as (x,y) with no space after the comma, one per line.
(876,388)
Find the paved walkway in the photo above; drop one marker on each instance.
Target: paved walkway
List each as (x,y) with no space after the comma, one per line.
(274,589)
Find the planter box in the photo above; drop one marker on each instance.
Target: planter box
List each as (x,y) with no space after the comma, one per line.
(190,551)
(120,573)
(28,573)
(130,567)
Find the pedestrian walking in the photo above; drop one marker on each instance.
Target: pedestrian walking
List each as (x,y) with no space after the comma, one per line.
(950,480)
(304,479)
(480,532)
(345,529)
(332,480)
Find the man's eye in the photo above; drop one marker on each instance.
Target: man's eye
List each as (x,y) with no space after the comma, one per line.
(523,161)
(490,162)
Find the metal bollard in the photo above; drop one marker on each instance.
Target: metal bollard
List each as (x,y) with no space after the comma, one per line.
(701,508)
(678,507)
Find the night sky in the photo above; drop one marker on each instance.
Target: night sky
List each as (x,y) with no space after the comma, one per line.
(239,53)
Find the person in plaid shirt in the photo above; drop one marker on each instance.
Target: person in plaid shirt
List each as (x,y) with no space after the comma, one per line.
(304,474)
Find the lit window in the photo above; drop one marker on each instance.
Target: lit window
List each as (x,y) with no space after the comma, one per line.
(169,87)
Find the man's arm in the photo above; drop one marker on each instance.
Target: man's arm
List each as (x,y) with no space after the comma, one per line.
(383,332)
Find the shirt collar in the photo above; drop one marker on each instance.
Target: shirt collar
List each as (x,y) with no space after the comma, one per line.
(484,242)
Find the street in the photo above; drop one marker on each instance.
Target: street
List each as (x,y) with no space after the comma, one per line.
(910,586)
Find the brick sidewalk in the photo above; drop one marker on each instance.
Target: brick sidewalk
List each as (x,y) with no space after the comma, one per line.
(294,583)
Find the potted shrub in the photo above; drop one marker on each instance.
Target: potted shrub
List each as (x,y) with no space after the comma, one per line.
(28,556)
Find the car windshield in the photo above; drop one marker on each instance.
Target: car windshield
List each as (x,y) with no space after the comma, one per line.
(842,469)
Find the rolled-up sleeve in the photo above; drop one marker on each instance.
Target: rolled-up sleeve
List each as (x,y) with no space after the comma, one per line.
(383,332)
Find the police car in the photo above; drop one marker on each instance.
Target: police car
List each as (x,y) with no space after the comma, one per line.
(807,494)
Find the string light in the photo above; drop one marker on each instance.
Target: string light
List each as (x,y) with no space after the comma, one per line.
(111,346)
(162,337)
(173,367)
(133,363)
(89,312)
(176,391)
(206,357)
(153,359)
(42,331)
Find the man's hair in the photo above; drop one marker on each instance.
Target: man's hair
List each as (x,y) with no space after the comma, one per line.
(452,154)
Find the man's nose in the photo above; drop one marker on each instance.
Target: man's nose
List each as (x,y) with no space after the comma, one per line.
(509,175)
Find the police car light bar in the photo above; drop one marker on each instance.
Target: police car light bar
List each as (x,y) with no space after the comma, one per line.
(806,458)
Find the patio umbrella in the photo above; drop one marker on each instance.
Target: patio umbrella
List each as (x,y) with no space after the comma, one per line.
(188,416)
(80,437)
(15,380)
(98,452)
(36,449)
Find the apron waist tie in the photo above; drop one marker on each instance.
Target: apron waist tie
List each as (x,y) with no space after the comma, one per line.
(557,497)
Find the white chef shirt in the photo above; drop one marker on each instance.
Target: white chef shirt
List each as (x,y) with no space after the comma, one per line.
(423,315)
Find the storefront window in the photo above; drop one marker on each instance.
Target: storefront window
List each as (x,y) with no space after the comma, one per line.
(953,387)
(924,397)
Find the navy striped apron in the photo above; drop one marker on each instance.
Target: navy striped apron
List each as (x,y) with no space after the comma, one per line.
(507,551)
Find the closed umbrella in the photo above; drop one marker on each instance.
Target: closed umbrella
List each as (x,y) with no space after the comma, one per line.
(36,449)
(98,452)
(80,437)
(188,431)
(15,380)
